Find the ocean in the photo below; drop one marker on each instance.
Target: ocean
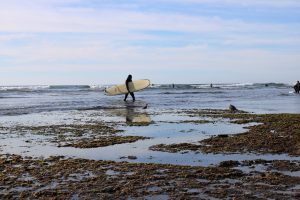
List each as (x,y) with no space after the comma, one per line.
(251,97)
(80,104)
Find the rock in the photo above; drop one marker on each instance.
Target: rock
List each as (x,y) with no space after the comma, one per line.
(222,136)
(229,163)
(232,108)
(132,157)
(108,189)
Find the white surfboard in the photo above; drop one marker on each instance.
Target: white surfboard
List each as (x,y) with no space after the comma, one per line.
(134,86)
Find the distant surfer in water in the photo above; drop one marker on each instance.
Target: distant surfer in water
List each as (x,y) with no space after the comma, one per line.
(128,80)
(297,87)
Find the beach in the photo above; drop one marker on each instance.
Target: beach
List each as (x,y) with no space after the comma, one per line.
(73,142)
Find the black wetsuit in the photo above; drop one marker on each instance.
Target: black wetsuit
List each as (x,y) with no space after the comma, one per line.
(131,93)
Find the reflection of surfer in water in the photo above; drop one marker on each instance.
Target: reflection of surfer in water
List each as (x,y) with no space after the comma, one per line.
(128,80)
(129,115)
(136,118)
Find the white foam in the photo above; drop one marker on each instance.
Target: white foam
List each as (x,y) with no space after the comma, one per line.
(24,87)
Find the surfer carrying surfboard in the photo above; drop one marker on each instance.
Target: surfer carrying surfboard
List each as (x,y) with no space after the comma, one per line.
(128,80)
(127,88)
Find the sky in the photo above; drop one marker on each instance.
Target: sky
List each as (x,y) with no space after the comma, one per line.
(167,41)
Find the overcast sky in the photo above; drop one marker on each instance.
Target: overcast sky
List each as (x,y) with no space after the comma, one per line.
(166,41)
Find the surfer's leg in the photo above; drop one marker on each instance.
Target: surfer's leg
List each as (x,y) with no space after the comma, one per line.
(132,95)
(126,95)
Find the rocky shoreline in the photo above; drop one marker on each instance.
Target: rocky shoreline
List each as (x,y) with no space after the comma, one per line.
(58,177)
(61,178)
(273,133)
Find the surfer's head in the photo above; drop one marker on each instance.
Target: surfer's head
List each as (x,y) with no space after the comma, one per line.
(129,77)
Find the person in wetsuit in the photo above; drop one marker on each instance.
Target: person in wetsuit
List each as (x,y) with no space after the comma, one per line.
(128,80)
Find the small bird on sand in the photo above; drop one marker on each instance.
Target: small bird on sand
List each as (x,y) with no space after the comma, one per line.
(232,108)
(146,106)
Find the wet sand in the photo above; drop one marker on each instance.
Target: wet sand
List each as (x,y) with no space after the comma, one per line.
(128,177)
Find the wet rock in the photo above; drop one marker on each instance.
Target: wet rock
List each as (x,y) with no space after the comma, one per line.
(259,139)
(232,108)
(229,163)
(108,189)
(104,141)
(132,157)
(173,148)
(222,135)
(136,180)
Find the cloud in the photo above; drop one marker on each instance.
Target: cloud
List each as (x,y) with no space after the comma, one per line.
(41,17)
(193,63)
(243,3)
(61,58)
(263,40)
(79,36)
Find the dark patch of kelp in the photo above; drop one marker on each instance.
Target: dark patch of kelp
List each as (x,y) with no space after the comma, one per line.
(76,135)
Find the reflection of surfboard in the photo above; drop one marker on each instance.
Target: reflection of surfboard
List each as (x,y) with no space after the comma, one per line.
(133,87)
(138,118)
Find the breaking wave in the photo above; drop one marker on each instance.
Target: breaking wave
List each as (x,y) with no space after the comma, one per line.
(220,86)
(37,88)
